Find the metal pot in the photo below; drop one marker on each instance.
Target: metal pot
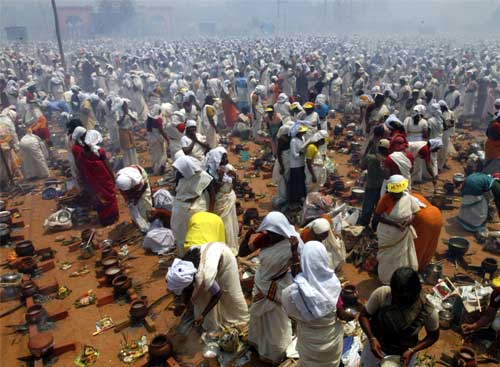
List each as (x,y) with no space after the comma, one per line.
(5,217)
(433,273)
(457,246)
(41,344)
(4,234)
(107,251)
(358,193)
(445,319)
(458,179)
(391,361)
(3,205)
(25,248)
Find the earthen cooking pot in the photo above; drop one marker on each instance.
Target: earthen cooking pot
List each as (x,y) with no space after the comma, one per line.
(41,344)
(349,295)
(29,288)
(109,262)
(26,265)
(121,283)
(139,309)
(107,251)
(160,347)
(34,314)
(112,272)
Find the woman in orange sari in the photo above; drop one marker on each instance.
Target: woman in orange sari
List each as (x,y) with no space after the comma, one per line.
(427,223)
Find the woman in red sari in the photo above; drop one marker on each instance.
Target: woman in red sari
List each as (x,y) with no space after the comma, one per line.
(97,176)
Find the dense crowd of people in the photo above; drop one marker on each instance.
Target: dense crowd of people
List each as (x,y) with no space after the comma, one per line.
(405,97)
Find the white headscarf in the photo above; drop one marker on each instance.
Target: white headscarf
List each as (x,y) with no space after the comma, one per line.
(190,123)
(92,139)
(214,157)
(316,290)
(282,98)
(187,166)
(163,199)
(128,177)
(78,133)
(276,222)
(180,275)
(320,225)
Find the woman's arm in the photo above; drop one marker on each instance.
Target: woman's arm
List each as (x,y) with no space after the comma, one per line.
(364,321)
(309,163)
(431,337)
(211,304)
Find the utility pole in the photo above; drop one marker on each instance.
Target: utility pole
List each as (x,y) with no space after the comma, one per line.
(58,34)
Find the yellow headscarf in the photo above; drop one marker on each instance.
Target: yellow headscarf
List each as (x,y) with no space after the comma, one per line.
(204,227)
(397,184)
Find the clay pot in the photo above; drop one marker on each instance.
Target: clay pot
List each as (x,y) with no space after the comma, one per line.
(160,347)
(26,265)
(449,187)
(29,288)
(34,314)
(25,248)
(110,262)
(349,295)
(465,357)
(112,272)
(3,205)
(4,234)
(107,251)
(139,309)
(490,266)
(122,283)
(41,344)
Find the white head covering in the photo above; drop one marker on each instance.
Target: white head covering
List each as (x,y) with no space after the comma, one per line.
(190,123)
(435,110)
(320,99)
(78,133)
(214,157)
(163,199)
(419,110)
(260,89)
(92,139)
(277,222)
(435,143)
(180,275)
(443,103)
(187,166)
(282,98)
(316,290)
(320,225)
(128,177)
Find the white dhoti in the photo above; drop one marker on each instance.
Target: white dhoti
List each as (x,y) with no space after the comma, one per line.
(225,207)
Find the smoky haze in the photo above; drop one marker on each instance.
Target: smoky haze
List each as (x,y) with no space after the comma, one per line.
(170,19)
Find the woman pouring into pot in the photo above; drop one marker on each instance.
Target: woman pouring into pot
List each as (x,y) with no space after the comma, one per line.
(393,318)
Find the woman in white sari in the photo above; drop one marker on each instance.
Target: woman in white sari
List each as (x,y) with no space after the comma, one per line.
(394,232)
(225,198)
(208,275)
(270,328)
(193,194)
(312,301)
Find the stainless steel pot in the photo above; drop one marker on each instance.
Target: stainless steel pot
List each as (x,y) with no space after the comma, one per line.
(445,319)
(5,217)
